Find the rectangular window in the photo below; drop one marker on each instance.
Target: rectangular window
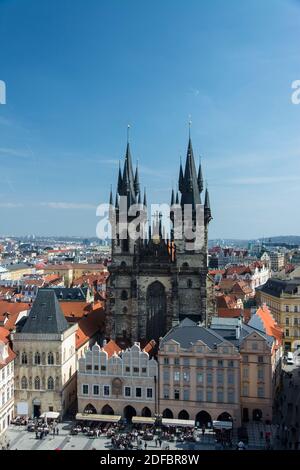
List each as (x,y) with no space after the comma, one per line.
(296,321)
(230,363)
(230,396)
(144,370)
(127,369)
(177,361)
(245,359)
(186,376)
(88,367)
(230,378)
(220,396)
(166,375)
(136,370)
(287,321)
(95,389)
(220,377)
(149,392)
(200,377)
(245,373)
(138,392)
(106,390)
(260,392)
(176,376)
(103,368)
(186,361)
(186,394)
(209,363)
(287,332)
(245,390)
(127,391)
(260,359)
(199,394)
(209,395)
(176,394)
(199,362)
(96,367)
(220,363)
(287,308)
(166,393)
(166,360)
(260,373)
(209,378)
(85,389)
(254,346)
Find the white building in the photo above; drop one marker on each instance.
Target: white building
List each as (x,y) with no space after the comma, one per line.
(115,382)
(6,381)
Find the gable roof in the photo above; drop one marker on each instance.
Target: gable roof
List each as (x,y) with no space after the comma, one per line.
(45,315)
(188,333)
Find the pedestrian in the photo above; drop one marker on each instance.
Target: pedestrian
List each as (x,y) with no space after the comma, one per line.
(145,446)
(156,442)
(57,431)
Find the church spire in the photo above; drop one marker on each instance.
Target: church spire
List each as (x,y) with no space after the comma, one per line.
(111,202)
(120,181)
(145,198)
(172,197)
(136,180)
(207,209)
(189,185)
(200,178)
(181,179)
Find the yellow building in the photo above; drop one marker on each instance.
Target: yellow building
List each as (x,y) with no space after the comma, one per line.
(69,272)
(282,296)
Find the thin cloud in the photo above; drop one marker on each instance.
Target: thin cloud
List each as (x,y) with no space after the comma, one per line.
(11,205)
(68,205)
(15,152)
(263,180)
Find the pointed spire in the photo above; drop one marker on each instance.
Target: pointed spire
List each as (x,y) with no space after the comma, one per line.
(145,198)
(172,197)
(111,196)
(136,180)
(207,209)
(189,187)
(200,178)
(120,181)
(140,198)
(181,178)
(177,198)
(117,200)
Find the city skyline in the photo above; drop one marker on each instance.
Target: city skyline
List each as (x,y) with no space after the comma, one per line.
(70,98)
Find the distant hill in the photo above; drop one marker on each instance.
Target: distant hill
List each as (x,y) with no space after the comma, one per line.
(288,239)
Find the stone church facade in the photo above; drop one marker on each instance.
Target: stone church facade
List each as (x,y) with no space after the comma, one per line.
(155,282)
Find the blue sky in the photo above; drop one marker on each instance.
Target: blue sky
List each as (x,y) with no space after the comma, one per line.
(77,72)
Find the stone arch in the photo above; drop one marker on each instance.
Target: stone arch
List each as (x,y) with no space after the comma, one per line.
(183,414)
(203,418)
(90,409)
(146,412)
(129,412)
(224,416)
(107,410)
(156,310)
(167,413)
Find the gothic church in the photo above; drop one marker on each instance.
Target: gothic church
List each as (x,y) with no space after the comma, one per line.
(156,282)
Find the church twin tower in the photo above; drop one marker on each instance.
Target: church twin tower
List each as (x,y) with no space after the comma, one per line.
(155,281)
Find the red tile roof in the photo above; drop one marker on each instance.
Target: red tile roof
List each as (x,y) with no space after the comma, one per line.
(4,337)
(111,348)
(89,326)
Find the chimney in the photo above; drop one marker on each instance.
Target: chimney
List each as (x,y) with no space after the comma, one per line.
(237,332)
